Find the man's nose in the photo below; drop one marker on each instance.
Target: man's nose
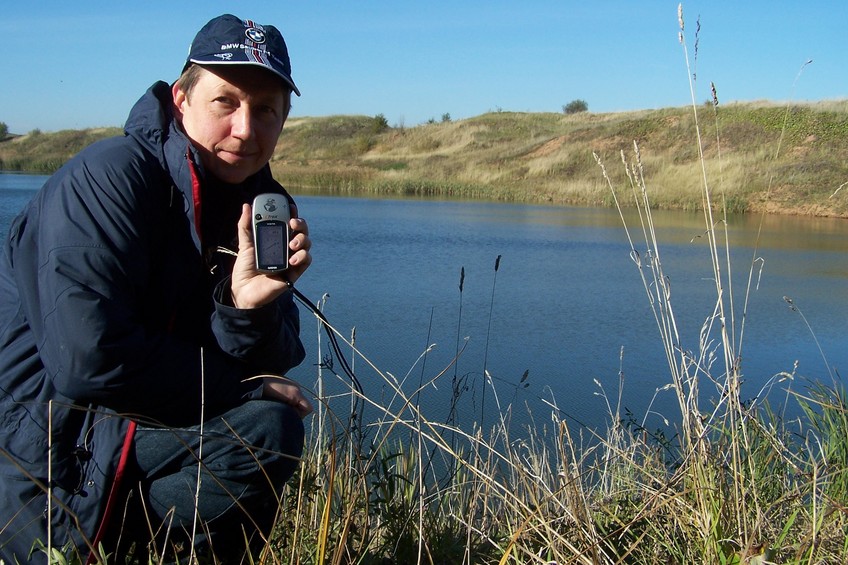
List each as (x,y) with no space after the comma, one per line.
(242,126)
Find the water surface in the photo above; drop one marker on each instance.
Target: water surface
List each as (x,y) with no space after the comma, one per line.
(566,306)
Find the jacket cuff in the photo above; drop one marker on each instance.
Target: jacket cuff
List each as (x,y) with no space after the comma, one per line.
(267,314)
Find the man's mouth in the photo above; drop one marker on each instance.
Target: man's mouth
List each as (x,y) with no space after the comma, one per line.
(235,154)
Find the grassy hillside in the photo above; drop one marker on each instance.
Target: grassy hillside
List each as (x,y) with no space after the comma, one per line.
(39,152)
(759,156)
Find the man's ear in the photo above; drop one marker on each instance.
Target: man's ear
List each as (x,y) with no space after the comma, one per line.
(178,94)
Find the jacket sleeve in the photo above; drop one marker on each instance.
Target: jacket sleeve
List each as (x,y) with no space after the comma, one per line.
(267,337)
(90,302)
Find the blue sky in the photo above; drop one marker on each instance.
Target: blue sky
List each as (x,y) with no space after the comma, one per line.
(83,64)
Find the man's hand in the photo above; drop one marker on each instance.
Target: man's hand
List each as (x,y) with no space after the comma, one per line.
(252,289)
(287,392)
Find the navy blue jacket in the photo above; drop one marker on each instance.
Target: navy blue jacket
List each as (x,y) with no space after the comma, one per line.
(111,291)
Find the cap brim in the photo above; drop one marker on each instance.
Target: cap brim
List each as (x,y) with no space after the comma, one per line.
(287,79)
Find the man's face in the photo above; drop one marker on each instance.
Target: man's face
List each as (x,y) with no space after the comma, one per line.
(233,118)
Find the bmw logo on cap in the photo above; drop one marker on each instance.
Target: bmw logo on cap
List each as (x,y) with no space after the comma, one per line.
(255,35)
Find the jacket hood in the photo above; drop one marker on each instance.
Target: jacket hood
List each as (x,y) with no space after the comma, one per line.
(151,118)
(152,126)
(151,123)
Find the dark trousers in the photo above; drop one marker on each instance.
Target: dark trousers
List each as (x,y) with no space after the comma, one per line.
(246,455)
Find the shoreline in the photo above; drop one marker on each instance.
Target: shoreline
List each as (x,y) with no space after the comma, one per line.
(754,157)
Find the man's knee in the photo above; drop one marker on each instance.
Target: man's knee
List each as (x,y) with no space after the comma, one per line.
(272,434)
(249,453)
(270,424)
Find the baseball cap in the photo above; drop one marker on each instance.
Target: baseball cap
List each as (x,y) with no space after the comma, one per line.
(229,40)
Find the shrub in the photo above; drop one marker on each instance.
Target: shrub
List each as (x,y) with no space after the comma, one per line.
(576,106)
(379,123)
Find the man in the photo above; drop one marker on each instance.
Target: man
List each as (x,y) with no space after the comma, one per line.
(126,325)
